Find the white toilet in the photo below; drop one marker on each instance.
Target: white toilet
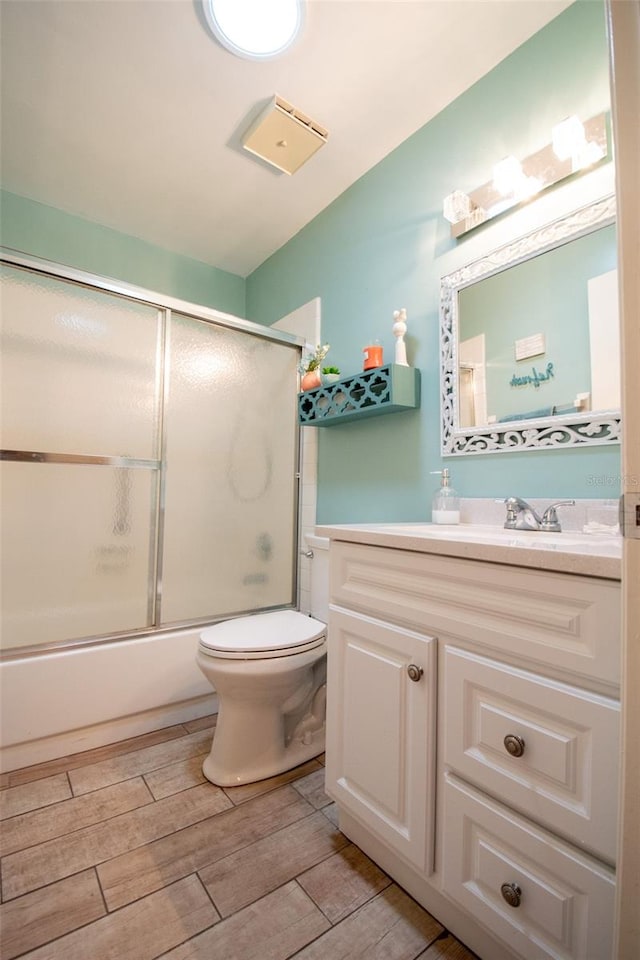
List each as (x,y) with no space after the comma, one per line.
(269,671)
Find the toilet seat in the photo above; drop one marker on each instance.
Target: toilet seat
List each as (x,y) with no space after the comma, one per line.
(280,633)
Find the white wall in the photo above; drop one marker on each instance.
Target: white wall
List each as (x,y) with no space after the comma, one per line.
(604,341)
(305,322)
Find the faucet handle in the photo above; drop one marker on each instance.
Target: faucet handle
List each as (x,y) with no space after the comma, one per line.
(512,511)
(550,522)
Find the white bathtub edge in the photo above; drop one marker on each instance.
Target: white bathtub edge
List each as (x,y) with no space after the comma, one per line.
(25,754)
(74,699)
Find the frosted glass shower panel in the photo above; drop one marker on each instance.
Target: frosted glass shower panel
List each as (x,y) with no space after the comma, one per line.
(75,559)
(231,456)
(79,369)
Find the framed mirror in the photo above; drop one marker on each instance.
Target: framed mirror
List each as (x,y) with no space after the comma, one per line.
(529,341)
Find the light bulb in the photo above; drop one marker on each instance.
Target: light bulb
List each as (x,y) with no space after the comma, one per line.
(568,138)
(507,176)
(590,153)
(528,187)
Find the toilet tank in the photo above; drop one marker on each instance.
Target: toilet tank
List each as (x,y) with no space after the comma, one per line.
(319,576)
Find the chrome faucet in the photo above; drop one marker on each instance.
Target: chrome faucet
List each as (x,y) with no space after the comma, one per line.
(522,516)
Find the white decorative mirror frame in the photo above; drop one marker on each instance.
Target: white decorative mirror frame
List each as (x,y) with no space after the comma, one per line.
(574,429)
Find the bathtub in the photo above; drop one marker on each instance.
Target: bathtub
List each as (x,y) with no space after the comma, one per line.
(79,698)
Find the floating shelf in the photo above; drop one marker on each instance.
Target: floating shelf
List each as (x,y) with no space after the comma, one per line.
(389,389)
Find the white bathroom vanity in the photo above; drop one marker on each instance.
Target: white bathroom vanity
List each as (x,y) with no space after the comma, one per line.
(473,726)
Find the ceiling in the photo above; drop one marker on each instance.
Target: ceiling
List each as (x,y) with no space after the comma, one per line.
(128,113)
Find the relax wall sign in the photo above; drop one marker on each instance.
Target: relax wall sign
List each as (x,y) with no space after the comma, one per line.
(535,378)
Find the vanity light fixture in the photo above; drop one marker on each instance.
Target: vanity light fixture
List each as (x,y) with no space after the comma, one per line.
(575,146)
(254,29)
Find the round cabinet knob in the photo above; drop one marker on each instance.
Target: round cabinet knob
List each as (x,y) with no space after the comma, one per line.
(514,744)
(414,672)
(512,893)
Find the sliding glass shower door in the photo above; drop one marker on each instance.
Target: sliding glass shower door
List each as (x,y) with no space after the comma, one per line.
(230,431)
(149,463)
(80,418)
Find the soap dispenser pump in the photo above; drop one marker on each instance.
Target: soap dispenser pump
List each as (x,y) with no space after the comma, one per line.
(445,507)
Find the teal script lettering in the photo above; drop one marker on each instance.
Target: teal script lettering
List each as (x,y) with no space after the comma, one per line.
(535,377)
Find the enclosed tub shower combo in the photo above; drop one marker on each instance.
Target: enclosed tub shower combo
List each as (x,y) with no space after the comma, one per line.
(150,487)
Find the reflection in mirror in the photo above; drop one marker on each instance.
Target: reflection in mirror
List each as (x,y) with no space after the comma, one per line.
(530,341)
(537,360)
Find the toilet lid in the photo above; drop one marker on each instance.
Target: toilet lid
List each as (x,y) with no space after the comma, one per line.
(276,634)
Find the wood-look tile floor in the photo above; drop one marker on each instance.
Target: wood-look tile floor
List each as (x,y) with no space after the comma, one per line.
(126,852)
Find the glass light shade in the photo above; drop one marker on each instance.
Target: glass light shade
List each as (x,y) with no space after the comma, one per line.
(507,176)
(568,138)
(256,29)
(528,187)
(456,206)
(590,153)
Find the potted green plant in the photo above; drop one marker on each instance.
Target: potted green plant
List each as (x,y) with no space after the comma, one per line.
(309,367)
(330,375)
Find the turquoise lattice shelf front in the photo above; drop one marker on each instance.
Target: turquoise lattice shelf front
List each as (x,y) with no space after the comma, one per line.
(388,389)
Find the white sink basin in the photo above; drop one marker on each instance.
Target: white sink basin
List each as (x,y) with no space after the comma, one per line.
(571,542)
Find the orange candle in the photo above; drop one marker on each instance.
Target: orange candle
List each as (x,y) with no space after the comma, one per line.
(372,356)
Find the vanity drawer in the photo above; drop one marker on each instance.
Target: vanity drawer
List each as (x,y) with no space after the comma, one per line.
(562,621)
(561,902)
(563,767)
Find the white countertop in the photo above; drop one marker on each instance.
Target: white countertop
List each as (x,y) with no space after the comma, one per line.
(590,555)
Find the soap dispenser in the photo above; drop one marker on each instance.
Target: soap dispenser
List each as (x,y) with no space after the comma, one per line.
(445,507)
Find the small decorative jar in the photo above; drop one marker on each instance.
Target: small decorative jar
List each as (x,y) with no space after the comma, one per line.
(310,367)
(310,380)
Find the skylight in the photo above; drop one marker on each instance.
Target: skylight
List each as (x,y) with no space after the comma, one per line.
(258,29)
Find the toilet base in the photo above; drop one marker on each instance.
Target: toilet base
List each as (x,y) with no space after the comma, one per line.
(296,753)
(271,714)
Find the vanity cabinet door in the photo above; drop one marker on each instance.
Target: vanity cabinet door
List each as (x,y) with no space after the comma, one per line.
(541,896)
(381,731)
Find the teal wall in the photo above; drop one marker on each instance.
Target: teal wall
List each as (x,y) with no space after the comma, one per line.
(43,231)
(383,244)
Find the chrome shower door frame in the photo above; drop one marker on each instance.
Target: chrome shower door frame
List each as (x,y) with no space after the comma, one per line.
(166,306)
